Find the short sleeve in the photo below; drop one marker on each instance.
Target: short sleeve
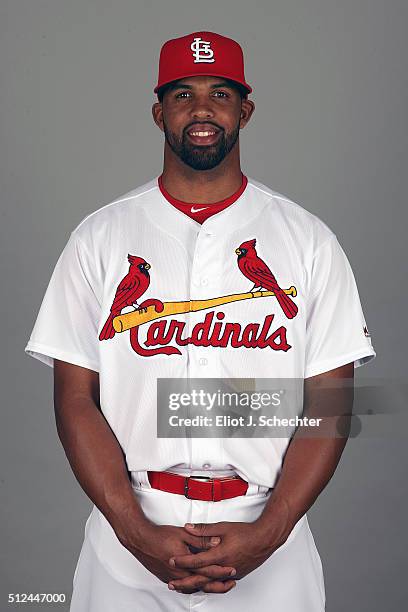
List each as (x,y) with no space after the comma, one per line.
(66,327)
(336,330)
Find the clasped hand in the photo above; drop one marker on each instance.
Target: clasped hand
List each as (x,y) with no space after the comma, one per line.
(209,557)
(242,548)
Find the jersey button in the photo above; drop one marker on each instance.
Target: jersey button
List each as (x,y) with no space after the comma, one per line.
(204,281)
(206,466)
(203,361)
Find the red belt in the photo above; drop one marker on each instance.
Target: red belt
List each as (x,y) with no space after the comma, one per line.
(198,487)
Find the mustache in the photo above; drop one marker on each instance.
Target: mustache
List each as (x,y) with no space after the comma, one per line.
(196,123)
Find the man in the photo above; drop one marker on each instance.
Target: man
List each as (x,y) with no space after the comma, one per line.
(164,283)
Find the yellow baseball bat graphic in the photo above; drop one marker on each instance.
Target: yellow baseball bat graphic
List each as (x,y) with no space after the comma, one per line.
(132,319)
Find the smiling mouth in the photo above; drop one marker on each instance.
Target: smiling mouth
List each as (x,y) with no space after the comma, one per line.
(203,136)
(202,133)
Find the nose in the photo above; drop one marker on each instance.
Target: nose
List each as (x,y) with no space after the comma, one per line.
(201,108)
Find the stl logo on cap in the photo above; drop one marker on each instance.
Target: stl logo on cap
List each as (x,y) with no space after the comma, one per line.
(202,51)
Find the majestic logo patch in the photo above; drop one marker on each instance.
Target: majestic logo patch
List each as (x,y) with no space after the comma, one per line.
(213,330)
(202,51)
(366,332)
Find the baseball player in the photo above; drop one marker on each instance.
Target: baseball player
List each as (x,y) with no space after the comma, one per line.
(200,273)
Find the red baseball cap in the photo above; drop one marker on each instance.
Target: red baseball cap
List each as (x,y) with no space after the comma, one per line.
(201,53)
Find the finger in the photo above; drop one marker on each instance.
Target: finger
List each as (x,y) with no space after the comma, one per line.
(186,592)
(216,572)
(210,573)
(203,529)
(178,574)
(199,542)
(195,550)
(219,587)
(189,584)
(196,561)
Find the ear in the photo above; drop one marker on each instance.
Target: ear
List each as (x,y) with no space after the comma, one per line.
(157,112)
(247,108)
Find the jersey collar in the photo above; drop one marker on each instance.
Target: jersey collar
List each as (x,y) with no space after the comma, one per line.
(204,211)
(172,221)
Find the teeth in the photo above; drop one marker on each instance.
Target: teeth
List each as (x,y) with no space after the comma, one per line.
(202,133)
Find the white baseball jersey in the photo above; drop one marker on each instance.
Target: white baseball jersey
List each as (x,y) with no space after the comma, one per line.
(140,249)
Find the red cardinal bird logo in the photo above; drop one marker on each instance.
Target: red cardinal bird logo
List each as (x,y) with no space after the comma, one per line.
(130,288)
(256,270)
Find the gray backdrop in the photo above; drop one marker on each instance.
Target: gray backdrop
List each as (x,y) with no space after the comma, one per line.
(329,131)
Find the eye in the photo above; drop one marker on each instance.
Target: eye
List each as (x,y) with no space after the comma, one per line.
(182,94)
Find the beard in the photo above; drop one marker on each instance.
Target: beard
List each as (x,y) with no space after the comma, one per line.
(204,157)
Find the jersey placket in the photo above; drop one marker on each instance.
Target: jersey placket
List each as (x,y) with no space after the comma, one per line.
(203,362)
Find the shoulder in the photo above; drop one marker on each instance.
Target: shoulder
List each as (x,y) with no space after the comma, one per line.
(108,216)
(291,216)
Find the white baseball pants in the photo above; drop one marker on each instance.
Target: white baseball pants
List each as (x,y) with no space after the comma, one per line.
(108,578)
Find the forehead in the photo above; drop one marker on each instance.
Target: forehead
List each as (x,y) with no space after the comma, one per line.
(201,81)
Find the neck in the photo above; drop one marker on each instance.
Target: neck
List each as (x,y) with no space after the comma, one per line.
(201,186)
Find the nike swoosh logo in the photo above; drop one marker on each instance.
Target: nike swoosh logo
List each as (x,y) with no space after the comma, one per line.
(193,210)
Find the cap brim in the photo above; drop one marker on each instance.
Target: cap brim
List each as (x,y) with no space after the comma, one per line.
(217,74)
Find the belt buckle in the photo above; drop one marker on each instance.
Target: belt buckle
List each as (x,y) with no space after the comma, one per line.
(186,479)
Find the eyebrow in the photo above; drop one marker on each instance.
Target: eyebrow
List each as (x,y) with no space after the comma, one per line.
(186,86)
